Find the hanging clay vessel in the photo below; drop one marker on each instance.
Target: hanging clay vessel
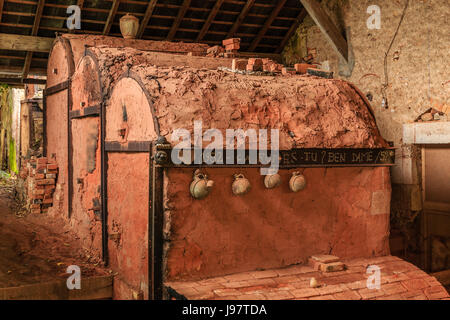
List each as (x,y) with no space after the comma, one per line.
(297,182)
(129,26)
(200,186)
(240,185)
(272,181)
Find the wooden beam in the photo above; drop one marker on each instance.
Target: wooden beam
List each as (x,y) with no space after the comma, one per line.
(327,27)
(34,32)
(248,5)
(8,71)
(18,42)
(178,19)
(2,2)
(93,288)
(20,81)
(292,30)
(111,16)
(267,24)
(209,20)
(148,14)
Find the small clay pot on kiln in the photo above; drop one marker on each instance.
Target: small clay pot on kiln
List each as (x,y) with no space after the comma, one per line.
(272,181)
(297,182)
(240,185)
(200,186)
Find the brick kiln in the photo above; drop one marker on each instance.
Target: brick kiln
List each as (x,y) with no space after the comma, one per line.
(81,178)
(124,105)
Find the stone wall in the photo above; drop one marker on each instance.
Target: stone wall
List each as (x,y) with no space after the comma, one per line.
(417,71)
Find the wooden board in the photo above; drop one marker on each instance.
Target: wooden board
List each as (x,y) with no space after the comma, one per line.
(95,288)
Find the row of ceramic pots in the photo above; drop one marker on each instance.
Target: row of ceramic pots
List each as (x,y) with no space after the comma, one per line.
(201,185)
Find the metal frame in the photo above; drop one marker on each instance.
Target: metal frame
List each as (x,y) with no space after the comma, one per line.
(297,158)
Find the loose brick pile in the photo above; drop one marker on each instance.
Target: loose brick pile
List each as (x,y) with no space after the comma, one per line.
(230,49)
(400,280)
(40,175)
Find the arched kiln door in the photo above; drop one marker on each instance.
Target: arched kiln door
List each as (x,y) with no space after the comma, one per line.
(85,151)
(129,132)
(60,68)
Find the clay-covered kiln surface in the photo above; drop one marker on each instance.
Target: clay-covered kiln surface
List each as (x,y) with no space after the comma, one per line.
(336,213)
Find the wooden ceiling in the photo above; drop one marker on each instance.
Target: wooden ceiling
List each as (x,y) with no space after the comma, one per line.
(264,26)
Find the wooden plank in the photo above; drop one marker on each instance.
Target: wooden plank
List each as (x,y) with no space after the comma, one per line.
(209,20)
(57,88)
(148,14)
(2,2)
(21,81)
(94,288)
(327,27)
(292,30)
(178,19)
(25,43)
(111,16)
(34,32)
(131,146)
(248,5)
(86,112)
(267,24)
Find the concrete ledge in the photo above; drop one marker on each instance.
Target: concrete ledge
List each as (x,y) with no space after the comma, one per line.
(426,133)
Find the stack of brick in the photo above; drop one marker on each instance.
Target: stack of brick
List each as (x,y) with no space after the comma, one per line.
(215,52)
(239,64)
(326,263)
(302,68)
(255,64)
(312,69)
(196,53)
(232,46)
(271,66)
(40,175)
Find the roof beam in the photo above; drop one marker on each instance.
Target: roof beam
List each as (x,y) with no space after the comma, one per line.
(178,19)
(21,81)
(248,5)
(148,14)
(34,32)
(267,24)
(18,42)
(327,27)
(2,2)
(292,29)
(17,71)
(210,19)
(111,16)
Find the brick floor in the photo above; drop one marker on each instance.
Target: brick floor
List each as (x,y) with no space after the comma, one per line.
(400,280)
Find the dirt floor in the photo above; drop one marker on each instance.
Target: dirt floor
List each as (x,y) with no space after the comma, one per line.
(36,248)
